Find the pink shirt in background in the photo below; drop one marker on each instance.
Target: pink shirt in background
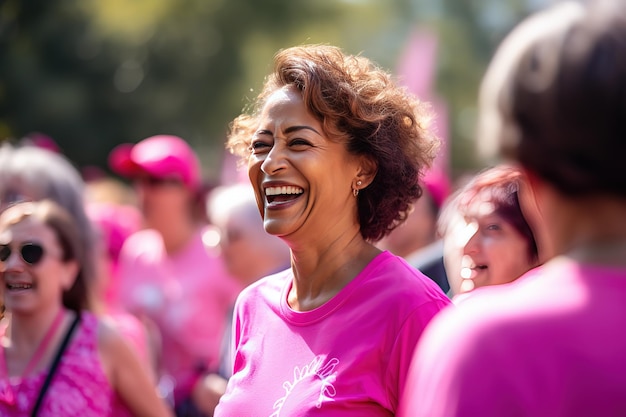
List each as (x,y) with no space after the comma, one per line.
(80,387)
(551,344)
(348,357)
(187,296)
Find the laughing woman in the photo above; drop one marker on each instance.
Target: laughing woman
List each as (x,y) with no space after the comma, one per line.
(56,359)
(334,151)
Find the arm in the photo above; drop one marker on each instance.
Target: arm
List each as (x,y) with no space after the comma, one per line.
(207,392)
(128,377)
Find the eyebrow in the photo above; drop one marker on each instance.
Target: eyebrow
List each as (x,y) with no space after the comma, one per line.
(290,129)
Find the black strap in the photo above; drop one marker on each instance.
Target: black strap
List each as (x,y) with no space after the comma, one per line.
(55,365)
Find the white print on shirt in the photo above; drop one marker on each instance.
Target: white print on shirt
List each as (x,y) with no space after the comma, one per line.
(296,392)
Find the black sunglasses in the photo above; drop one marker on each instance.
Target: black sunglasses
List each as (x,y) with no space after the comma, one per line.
(30,252)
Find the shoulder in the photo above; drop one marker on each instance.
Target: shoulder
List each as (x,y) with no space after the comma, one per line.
(144,244)
(143,236)
(392,276)
(110,337)
(114,347)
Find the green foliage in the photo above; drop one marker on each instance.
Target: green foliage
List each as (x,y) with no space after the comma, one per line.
(92,74)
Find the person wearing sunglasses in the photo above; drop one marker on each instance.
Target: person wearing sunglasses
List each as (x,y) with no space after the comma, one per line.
(57,358)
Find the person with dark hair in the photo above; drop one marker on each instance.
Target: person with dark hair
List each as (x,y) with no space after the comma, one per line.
(487,239)
(57,358)
(552,342)
(32,173)
(334,151)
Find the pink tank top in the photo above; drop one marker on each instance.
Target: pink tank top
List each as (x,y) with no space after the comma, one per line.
(79,388)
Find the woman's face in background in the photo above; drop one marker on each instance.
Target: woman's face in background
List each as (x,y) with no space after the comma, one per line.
(32,285)
(495,251)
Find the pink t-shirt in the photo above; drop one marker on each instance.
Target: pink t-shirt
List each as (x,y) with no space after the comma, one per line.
(348,357)
(80,387)
(551,344)
(187,296)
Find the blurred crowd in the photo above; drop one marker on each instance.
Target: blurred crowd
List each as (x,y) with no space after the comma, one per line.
(167,255)
(144,268)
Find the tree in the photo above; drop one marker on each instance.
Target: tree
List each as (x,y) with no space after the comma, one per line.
(92,74)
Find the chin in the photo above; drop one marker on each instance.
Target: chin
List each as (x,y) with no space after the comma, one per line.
(275,227)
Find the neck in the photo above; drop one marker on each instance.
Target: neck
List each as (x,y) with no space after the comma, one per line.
(608,252)
(593,231)
(28,330)
(176,235)
(321,272)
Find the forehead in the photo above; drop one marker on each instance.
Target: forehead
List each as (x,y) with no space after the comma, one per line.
(285,104)
(22,229)
(479,207)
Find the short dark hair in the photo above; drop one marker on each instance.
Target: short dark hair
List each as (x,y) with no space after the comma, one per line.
(358,104)
(556,91)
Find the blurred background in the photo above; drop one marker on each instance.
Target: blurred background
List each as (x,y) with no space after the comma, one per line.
(90,74)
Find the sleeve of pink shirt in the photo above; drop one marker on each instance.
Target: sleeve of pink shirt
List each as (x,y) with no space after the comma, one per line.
(405,346)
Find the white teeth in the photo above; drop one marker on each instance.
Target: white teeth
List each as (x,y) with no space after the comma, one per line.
(283,190)
(19,286)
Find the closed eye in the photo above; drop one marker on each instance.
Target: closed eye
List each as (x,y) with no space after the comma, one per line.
(258,146)
(299,142)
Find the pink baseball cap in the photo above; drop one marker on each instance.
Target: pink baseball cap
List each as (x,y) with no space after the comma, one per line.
(437,184)
(161,156)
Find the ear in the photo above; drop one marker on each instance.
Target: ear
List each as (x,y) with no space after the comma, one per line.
(531,195)
(70,269)
(366,171)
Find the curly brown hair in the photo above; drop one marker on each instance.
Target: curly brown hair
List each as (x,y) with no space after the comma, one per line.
(360,105)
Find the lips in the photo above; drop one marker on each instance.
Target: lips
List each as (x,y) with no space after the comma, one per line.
(469,268)
(18,286)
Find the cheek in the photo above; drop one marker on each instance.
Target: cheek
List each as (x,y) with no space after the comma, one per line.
(254,167)
(168,199)
(228,252)
(67,278)
(509,258)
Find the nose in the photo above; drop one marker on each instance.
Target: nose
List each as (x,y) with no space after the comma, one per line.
(274,160)
(471,238)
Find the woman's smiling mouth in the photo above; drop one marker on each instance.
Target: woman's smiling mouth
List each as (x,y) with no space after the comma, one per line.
(282,194)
